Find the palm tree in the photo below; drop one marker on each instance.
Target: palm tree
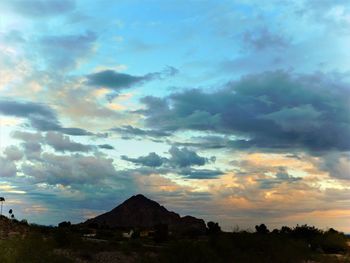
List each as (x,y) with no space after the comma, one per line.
(2,200)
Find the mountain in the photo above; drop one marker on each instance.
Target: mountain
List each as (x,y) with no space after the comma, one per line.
(140,212)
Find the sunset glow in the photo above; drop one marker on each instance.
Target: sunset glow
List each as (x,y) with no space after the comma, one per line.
(232,111)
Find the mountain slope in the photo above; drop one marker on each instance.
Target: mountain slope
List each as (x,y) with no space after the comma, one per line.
(141,212)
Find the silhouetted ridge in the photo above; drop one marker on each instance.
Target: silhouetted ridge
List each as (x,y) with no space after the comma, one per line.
(141,212)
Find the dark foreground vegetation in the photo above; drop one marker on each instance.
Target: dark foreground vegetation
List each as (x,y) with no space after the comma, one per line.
(21,242)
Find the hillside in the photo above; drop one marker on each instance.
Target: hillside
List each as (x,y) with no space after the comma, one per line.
(12,228)
(140,212)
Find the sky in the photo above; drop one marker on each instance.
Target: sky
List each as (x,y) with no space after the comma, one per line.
(232,111)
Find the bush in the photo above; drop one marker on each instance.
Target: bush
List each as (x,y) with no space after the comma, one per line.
(32,249)
(189,251)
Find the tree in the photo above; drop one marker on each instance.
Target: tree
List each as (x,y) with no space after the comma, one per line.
(2,200)
(286,230)
(65,224)
(11,214)
(262,229)
(161,233)
(213,228)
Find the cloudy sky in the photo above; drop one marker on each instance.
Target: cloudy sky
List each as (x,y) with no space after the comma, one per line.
(233,111)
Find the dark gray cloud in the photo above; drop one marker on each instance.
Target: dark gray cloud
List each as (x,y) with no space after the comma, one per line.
(40,116)
(58,141)
(282,176)
(183,157)
(262,39)
(24,109)
(40,8)
(208,142)
(8,167)
(77,171)
(75,131)
(272,110)
(179,157)
(27,136)
(63,143)
(151,160)
(106,146)
(117,81)
(130,132)
(186,172)
(114,80)
(32,150)
(62,52)
(336,164)
(73,169)
(180,162)
(13,153)
(200,173)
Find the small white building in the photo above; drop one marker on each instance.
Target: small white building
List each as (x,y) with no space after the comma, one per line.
(128,234)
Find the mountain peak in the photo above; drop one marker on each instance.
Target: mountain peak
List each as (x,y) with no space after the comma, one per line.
(141,212)
(139,201)
(139,197)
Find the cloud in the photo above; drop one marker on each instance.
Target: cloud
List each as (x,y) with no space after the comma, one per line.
(180,162)
(64,51)
(40,116)
(106,146)
(75,131)
(336,164)
(298,119)
(200,173)
(74,175)
(130,132)
(185,172)
(117,81)
(70,170)
(32,150)
(59,142)
(8,167)
(151,160)
(179,157)
(114,80)
(13,153)
(183,157)
(332,14)
(271,110)
(63,143)
(262,39)
(24,109)
(280,177)
(41,8)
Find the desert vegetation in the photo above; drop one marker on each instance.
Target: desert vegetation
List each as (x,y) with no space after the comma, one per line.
(71,243)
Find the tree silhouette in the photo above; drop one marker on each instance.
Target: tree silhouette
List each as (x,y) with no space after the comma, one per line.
(161,233)
(2,200)
(12,216)
(213,228)
(286,230)
(65,224)
(262,229)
